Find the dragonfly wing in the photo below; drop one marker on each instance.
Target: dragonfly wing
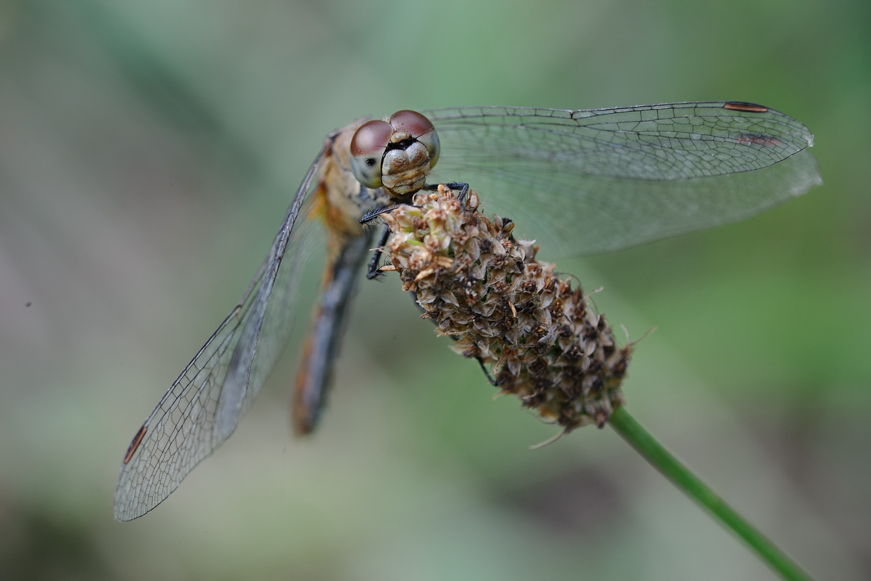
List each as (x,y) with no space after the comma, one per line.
(205,403)
(596,180)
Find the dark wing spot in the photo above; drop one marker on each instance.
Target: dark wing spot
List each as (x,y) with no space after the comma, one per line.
(748,107)
(134,445)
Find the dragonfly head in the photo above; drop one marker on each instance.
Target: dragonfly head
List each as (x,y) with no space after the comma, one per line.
(395,154)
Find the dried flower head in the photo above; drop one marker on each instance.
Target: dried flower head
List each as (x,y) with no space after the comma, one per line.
(485,289)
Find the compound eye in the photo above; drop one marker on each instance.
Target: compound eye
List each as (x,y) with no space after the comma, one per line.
(367,148)
(421,129)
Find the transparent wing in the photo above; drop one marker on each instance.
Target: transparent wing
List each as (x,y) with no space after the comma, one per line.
(204,405)
(589,181)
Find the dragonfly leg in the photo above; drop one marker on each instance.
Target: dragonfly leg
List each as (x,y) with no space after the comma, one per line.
(372,214)
(489,377)
(372,271)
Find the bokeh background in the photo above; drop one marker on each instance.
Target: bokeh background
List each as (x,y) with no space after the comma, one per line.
(148,151)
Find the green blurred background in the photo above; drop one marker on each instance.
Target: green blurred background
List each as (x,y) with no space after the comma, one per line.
(147,154)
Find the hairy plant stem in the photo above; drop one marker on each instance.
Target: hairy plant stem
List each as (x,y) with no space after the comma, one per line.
(661,459)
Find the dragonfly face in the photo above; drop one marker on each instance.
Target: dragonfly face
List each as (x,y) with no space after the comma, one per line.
(396,154)
(581,181)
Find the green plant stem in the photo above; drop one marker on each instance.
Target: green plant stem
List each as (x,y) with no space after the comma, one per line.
(671,468)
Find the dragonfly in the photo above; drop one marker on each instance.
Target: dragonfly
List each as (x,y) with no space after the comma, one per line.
(583,181)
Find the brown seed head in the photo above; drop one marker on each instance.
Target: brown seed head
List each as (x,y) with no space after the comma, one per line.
(483,288)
